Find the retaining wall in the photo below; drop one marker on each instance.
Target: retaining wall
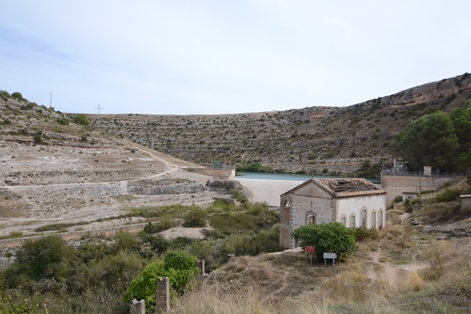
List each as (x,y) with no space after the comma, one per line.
(395,185)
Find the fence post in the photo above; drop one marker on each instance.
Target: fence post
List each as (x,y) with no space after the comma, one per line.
(201,265)
(162,304)
(138,307)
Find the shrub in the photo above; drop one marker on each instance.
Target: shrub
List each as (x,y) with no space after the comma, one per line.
(63,121)
(38,137)
(330,237)
(196,217)
(81,119)
(447,195)
(238,195)
(151,228)
(178,266)
(362,234)
(17,95)
(397,199)
(40,258)
(12,302)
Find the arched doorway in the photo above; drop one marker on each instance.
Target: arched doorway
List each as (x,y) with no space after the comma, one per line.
(373,220)
(310,218)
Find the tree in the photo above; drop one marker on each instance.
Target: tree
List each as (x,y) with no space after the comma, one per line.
(431,141)
(331,237)
(462,124)
(40,258)
(178,266)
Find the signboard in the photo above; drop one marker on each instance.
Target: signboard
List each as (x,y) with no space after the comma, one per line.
(309,249)
(330,255)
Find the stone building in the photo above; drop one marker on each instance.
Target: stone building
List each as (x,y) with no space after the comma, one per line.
(352,202)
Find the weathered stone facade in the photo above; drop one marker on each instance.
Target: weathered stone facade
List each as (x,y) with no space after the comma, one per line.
(353,202)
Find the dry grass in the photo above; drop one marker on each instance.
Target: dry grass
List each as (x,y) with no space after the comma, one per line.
(413,282)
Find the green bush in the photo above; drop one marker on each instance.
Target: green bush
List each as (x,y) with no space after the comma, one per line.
(81,119)
(38,137)
(41,258)
(17,95)
(151,228)
(12,302)
(362,234)
(447,195)
(238,195)
(195,218)
(397,199)
(178,266)
(331,237)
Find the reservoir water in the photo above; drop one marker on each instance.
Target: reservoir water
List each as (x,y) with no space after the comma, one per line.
(287,176)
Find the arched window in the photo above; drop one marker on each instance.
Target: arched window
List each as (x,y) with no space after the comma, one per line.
(352,221)
(373,220)
(380,218)
(363,218)
(287,204)
(344,221)
(310,217)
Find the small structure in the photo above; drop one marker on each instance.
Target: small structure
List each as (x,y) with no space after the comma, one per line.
(409,196)
(465,204)
(352,202)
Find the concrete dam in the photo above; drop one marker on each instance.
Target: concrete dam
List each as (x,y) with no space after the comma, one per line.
(269,191)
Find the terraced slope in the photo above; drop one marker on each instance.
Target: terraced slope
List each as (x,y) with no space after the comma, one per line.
(309,139)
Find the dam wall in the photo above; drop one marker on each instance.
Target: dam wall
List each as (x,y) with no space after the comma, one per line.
(268,191)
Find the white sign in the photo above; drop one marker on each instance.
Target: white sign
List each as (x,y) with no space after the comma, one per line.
(330,255)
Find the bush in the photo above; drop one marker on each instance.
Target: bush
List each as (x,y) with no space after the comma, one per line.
(238,195)
(151,228)
(331,237)
(178,266)
(447,195)
(38,137)
(397,199)
(12,302)
(17,95)
(63,121)
(196,217)
(362,234)
(41,257)
(81,119)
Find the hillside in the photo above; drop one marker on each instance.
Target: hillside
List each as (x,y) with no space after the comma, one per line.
(309,139)
(54,171)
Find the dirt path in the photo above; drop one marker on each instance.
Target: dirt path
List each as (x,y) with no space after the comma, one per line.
(387,273)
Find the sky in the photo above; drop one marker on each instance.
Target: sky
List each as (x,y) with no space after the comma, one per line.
(222,56)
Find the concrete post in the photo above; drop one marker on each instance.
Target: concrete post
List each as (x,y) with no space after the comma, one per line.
(201,265)
(138,307)
(162,304)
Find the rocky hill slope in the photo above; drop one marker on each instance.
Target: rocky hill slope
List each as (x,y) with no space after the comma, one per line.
(54,170)
(310,139)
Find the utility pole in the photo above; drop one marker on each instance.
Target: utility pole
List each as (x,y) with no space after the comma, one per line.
(98,124)
(50,100)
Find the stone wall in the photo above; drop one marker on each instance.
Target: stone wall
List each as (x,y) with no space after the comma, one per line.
(396,185)
(76,235)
